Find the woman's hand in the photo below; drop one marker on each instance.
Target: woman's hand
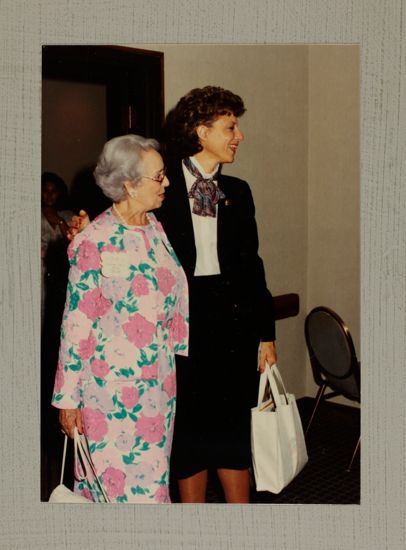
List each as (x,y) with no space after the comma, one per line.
(68,419)
(63,228)
(267,354)
(77,224)
(55,220)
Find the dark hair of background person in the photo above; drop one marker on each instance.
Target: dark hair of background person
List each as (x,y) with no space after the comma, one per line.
(199,106)
(62,202)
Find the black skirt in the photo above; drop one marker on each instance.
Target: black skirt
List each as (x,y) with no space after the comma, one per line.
(217,384)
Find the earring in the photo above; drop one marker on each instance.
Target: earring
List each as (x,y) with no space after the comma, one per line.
(133,194)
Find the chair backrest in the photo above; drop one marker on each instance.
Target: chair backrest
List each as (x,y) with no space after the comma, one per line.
(332,352)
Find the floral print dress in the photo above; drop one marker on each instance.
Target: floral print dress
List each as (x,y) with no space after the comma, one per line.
(126,315)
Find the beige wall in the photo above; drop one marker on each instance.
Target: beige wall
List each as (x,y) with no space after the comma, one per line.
(73,126)
(333,271)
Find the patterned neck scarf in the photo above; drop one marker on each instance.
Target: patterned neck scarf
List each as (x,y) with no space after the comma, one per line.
(204,191)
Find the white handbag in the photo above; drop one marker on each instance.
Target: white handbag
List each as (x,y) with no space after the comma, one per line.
(277,440)
(61,493)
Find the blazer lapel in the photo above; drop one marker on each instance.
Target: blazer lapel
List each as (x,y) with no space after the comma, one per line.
(177,219)
(220,223)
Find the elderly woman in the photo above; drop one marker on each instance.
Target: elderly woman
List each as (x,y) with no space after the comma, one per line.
(125,317)
(215,237)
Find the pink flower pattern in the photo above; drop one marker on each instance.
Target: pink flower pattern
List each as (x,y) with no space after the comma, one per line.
(178,330)
(71,251)
(162,495)
(151,429)
(95,424)
(93,304)
(129,397)
(110,248)
(114,481)
(99,368)
(150,371)
(140,285)
(165,280)
(170,385)
(87,347)
(116,360)
(59,378)
(139,331)
(86,494)
(88,256)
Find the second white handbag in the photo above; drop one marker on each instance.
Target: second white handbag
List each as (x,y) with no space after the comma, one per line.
(61,493)
(277,440)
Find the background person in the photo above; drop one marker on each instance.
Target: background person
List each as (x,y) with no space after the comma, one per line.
(125,317)
(55,215)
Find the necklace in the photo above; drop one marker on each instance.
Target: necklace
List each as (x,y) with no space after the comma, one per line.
(116,210)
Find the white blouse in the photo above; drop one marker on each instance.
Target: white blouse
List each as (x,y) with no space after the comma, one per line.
(204,229)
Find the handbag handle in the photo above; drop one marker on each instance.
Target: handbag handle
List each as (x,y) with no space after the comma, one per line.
(65,443)
(82,455)
(272,375)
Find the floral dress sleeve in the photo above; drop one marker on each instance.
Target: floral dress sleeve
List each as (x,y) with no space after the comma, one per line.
(84,304)
(179,328)
(179,325)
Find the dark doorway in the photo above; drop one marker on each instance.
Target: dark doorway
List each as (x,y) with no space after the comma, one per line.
(133,80)
(90,94)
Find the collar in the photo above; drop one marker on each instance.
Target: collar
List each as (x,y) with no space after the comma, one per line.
(206,175)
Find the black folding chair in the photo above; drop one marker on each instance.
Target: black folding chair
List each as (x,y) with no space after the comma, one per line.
(333,360)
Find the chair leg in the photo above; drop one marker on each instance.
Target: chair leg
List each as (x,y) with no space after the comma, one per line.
(319,396)
(357,446)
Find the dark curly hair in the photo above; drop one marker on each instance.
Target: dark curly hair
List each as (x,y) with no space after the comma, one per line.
(63,199)
(199,106)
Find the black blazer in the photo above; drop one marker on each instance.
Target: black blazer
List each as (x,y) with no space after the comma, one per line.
(237,244)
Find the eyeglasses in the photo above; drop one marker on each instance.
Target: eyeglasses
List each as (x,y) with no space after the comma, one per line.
(158,179)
